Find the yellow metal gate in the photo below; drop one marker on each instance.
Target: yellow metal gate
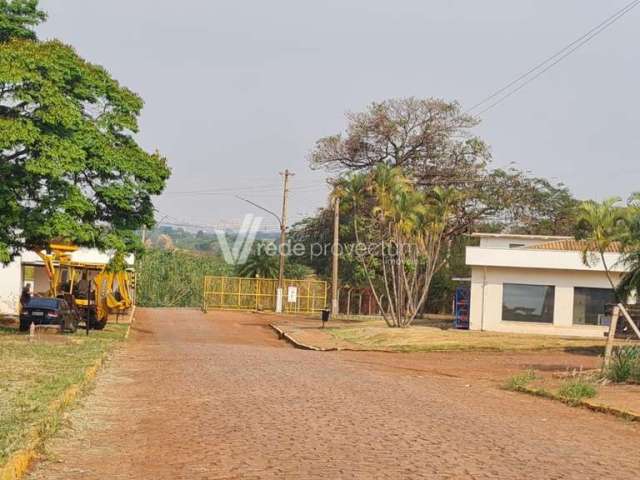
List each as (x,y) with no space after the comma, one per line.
(238,293)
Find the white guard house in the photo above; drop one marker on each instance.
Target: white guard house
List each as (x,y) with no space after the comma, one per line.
(28,268)
(539,284)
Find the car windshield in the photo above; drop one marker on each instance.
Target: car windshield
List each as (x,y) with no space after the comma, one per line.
(50,303)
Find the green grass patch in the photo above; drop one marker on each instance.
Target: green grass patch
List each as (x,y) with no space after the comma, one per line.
(520,381)
(624,365)
(34,374)
(577,389)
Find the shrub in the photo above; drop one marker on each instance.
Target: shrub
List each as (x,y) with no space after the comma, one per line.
(624,365)
(577,389)
(175,279)
(520,381)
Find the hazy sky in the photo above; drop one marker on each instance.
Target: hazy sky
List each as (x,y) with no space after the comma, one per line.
(236,91)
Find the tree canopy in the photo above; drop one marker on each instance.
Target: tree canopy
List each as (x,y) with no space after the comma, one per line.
(18,17)
(630,283)
(70,166)
(432,144)
(609,223)
(399,231)
(431,140)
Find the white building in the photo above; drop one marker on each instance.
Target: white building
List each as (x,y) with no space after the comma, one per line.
(28,268)
(539,284)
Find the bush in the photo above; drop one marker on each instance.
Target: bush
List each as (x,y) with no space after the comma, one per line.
(520,381)
(175,279)
(624,365)
(577,389)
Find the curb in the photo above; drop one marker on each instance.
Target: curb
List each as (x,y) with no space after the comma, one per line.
(19,462)
(594,407)
(131,320)
(284,335)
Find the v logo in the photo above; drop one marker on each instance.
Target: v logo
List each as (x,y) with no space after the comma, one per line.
(238,254)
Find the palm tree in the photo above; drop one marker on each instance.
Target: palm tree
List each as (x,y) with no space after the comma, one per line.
(259,264)
(601,224)
(406,227)
(630,282)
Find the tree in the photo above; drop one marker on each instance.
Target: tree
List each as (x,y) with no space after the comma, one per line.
(259,264)
(165,242)
(399,232)
(630,283)
(541,209)
(600,225)
(17,19)
(431,141)
(316,234)
(263,262)
(70,166)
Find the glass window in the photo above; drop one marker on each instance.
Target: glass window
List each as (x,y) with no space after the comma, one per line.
(528,303)
(589,305)
(28,273)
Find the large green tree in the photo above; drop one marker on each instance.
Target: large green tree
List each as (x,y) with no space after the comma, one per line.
(69,163)
(432,142)
(18,17)
(400,232)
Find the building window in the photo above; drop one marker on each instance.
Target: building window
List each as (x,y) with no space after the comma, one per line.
(28,273)
(516,245)
(589,305)
(528,303)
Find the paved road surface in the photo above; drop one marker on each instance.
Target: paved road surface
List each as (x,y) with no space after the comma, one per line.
(218,397)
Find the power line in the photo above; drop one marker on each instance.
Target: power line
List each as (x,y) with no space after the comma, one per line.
(221,226)
(263,189)
(558,53)
(558,56)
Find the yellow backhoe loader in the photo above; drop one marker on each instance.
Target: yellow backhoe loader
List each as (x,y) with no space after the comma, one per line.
(90,288)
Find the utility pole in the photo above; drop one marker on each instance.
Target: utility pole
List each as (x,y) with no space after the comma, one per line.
(335,252)
(283,238)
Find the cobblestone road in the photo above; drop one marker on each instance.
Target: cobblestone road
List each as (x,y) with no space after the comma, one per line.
(217,396)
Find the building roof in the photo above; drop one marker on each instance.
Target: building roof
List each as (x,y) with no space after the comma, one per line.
(572,245)
(548,238)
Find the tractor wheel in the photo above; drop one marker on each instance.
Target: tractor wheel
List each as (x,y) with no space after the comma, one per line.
(24,325)
(99,324)
(74,325)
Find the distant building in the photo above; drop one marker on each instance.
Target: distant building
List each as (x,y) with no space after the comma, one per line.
(28,268)
(539,284)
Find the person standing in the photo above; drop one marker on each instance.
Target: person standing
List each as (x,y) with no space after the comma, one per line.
(25,296)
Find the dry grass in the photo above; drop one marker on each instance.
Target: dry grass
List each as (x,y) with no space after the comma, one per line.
(34,374)
(376,336)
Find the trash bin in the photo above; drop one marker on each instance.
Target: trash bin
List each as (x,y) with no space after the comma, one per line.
(325,315)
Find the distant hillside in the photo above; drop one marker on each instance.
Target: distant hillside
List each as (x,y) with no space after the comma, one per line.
(170,238)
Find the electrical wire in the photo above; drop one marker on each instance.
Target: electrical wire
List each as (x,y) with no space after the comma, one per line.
(555,59)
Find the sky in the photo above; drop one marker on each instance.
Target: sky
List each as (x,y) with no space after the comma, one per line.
(237,91)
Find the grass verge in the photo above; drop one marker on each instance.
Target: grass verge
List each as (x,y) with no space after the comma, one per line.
(577,389)
(520,381)
(625,365)
(39,379)
(375,336)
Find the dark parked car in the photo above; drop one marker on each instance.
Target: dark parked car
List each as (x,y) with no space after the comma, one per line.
(48,311)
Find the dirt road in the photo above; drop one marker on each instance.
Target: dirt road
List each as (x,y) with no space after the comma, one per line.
(216,396)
